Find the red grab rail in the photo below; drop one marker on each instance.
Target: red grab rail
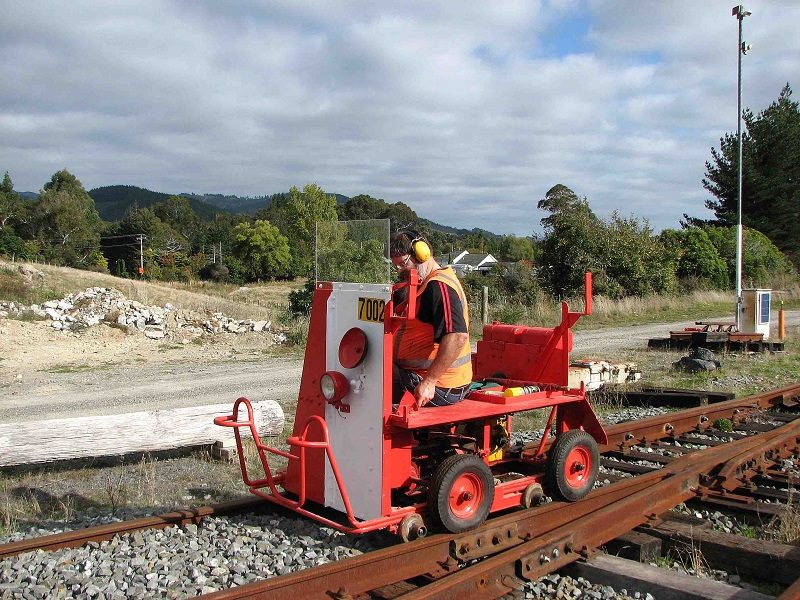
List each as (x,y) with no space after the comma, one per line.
(270,480)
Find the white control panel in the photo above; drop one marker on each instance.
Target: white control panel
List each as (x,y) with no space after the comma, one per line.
(357,436)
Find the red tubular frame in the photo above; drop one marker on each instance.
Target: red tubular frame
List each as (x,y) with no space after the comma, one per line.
(302,442)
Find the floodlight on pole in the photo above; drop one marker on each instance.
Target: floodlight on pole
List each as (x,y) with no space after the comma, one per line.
(740,13)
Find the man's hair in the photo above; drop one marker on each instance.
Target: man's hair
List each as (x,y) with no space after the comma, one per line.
(401,243)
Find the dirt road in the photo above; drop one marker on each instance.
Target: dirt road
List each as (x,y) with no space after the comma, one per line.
(154,377)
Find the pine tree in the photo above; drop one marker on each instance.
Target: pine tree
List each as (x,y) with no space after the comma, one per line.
(770,175)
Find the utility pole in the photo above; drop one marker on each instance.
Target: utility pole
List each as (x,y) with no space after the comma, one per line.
(740,13)
(141,255)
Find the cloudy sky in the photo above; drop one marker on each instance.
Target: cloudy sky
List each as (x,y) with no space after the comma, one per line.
(467,111)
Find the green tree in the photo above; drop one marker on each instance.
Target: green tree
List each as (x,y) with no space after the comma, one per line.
(121,249)
(352,251)
(218,236)
(275,212)
(176,212)
(764,265)
(66,222)
(362,207)
(770,175)
(623,255)
(11,206)
(699,263)
(513,248)
(570,245)
(262,249)
(477,242)
(303,211)
(634,260)
(13,212)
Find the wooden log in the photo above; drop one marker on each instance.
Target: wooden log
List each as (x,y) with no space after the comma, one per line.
(664,585)
(636,545)
(768,561)
(30,442)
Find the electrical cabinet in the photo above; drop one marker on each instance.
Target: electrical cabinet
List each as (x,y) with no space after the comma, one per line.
(756,306)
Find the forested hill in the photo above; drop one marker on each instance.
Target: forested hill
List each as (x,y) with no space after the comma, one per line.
(113,200)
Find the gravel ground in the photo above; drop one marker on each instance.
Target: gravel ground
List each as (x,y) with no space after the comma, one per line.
(182,562)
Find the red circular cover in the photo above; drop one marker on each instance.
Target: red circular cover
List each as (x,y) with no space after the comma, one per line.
(353,348)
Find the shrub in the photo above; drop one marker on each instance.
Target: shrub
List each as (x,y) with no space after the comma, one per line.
(300,299)
(215,272)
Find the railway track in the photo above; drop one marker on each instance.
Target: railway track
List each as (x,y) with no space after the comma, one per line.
(662,461)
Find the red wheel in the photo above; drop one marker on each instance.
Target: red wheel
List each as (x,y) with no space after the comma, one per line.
(466,495)
(572,465)
(461,492)
(578,466)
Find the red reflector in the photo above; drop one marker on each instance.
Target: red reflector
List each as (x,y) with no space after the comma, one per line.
(353,348)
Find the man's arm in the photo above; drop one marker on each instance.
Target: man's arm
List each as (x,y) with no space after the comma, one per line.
(449,348)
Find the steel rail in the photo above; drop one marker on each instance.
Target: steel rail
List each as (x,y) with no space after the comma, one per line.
(630,433)
(99,533)
(792,592)
(504,572)
(551,527)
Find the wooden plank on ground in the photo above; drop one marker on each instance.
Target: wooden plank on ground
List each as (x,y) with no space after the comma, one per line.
(663,584)
(768,561)
(625,466)
(754,512)
(635,545)
(114,435)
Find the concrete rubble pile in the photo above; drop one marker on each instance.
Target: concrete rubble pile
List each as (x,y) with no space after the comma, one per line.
(97,305)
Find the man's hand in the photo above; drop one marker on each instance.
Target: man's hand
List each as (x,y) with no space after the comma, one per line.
(449,348)
(424,392)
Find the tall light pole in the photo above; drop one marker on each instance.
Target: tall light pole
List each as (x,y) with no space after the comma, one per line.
(740,13)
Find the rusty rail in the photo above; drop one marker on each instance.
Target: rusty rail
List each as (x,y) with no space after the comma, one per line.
(79,537)
(529,544)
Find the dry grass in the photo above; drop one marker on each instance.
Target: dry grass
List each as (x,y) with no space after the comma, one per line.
(785,527)
(633,310)
(151,484)
(741,373)
(263,301)
(608,312)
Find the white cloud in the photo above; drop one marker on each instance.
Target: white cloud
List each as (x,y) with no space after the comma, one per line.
(463,111)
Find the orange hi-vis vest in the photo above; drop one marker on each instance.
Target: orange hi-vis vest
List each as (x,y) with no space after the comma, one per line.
(414,346)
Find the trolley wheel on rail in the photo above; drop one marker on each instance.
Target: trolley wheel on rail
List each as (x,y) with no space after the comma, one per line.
(572,464)
(412,527)
(461,492)
(531,495)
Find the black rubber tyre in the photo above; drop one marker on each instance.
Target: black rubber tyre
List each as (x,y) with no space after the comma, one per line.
(461,492)
(572,465)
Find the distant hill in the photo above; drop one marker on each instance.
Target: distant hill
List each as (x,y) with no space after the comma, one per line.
(113,200)
(460,232)
(247,205)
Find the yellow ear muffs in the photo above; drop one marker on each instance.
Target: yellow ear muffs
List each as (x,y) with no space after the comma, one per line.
(421,249)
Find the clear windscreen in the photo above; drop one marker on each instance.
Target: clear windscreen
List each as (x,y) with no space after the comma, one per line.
(353,251)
